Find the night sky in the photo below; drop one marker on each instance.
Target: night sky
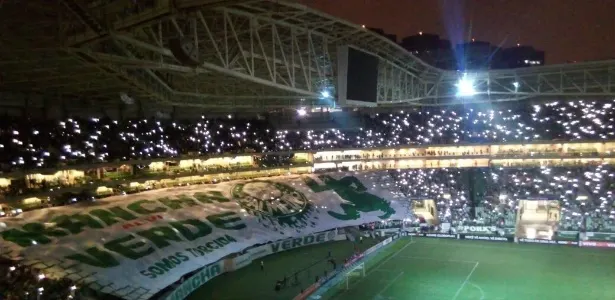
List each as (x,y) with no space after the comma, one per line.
(567,30)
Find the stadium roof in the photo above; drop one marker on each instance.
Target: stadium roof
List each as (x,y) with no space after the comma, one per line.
(235,54)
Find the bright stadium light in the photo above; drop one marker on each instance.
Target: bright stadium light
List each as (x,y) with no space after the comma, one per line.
(325,94)
(301,112)
(465,87)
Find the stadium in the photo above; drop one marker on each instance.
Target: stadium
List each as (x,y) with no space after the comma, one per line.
(261,149)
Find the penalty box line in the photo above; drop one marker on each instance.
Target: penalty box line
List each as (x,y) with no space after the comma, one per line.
(378,265)
(391,282)
(465,282)
(437,259)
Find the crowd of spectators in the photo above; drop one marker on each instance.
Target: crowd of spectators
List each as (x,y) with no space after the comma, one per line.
(444,186)
(38,144)
(584,193)
(29,144)
(20,282)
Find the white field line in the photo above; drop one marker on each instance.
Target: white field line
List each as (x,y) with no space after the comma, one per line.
(482,293)
(386,287)
(383,262)
(435,259)
(389,258)
(465,281)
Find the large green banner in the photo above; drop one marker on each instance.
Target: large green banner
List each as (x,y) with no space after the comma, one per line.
(133,246)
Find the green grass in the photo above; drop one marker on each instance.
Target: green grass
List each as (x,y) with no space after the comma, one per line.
(433,269)
(252,283)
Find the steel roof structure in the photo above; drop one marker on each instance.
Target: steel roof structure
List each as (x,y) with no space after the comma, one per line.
(251,54)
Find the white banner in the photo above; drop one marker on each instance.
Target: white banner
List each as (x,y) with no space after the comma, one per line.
(377,246)
(133,246)
(596,244)
(476,229)
(233,264)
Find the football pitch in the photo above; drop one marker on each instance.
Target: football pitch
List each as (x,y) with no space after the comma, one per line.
(252,283)
(434,269)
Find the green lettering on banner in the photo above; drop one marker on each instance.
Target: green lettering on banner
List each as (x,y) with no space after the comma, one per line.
(97,258)
(182,256)
(211,245)
(230,239)
(180,202)
(151,224)
(299,242)
(321,238)
(75,223)
(286,244)
(221,241)
(187,289)
(275,247)
(308,240)
(111,215)
(210,197)
(214,271)
(156,270)
(32,234)
(202,229)
(160,236)
(166,264)
(175,260)
(25,238)
(196,283)
(129,250)
(48,231)
(138,207)
(223,221)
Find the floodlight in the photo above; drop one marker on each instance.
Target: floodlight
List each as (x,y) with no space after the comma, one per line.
(465,87)
(325,94)
(301,112)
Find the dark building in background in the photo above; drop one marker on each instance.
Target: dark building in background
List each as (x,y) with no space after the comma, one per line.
(473,55)
(431,49)
(423,42)
(381,32)
(519,57)
(476,55)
